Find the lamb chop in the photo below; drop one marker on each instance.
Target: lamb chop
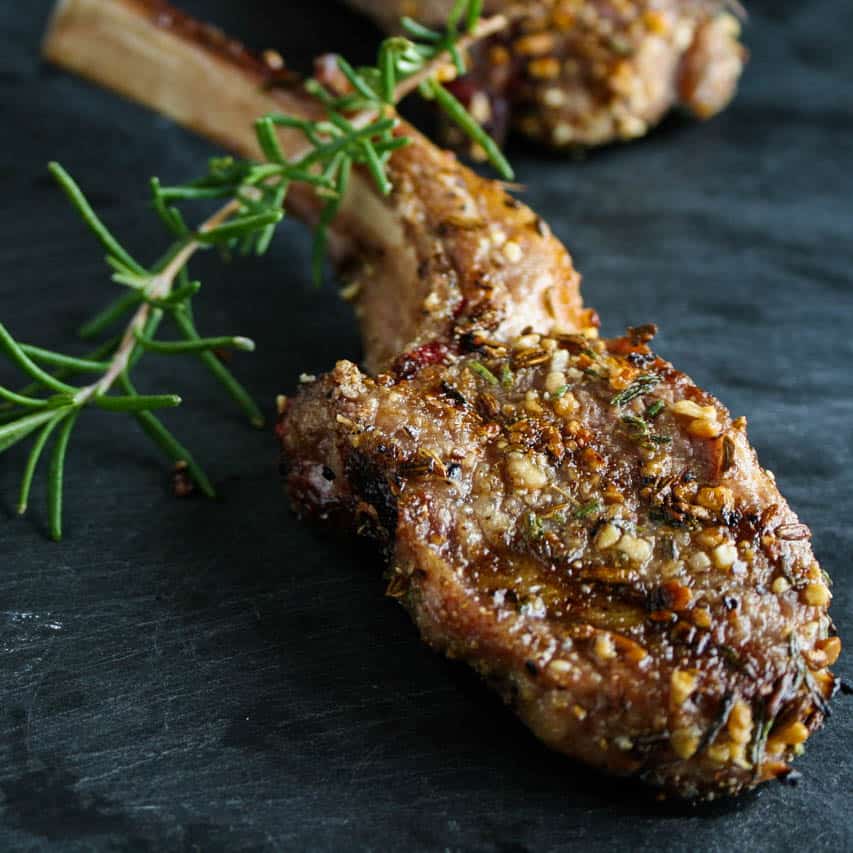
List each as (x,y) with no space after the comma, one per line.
(447,253)
(587,72)
(593,534)
(572,517)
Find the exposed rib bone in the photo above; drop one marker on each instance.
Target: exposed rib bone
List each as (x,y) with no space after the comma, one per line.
(448,255)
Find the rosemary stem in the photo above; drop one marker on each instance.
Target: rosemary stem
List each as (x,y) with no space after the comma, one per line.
(485,28)
(159,289)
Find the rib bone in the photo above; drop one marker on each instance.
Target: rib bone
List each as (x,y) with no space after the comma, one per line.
(448,256)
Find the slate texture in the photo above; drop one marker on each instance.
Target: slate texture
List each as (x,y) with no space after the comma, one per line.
(185,675)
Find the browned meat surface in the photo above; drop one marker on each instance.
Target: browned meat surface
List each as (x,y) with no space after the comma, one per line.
(588,72)
(593,534)
(446,253)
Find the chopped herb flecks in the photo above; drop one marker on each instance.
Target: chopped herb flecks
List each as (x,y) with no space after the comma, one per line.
(763,724)
(484,371)
(588,509)
(640,386)
(655,409)
(534,527)
(641,432)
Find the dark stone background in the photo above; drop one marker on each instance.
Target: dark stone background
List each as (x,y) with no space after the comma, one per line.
(185,675)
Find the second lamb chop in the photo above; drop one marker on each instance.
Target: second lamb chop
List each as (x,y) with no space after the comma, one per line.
(574,73)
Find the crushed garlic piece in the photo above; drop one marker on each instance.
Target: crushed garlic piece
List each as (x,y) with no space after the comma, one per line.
(739,725)
(816,594)
(681,684)
(724,556)
(699,562)
(604,648)
(607,537)
(684,742)
(689,409)
(524,472)
(636,549)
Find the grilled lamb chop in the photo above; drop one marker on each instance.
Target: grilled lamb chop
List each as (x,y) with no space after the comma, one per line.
(593,534)
(447,253)
(623,571)
(589,72)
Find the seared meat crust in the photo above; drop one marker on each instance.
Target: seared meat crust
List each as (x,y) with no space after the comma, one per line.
(589,72)
(594,535)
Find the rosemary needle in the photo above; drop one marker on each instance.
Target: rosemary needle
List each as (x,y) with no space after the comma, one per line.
(57,475)
(457,113)
(33,460)
(56,359)
(232,386)
(21,399)
(18,430)
(79,201)
(194,345)
(170,445)
(111,314)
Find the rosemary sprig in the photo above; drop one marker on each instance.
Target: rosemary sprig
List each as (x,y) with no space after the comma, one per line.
(359,130)
(402,65)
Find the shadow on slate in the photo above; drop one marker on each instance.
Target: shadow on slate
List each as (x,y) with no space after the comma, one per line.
(187,675)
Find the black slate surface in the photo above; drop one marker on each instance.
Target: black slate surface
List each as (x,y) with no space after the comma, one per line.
(184,675)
